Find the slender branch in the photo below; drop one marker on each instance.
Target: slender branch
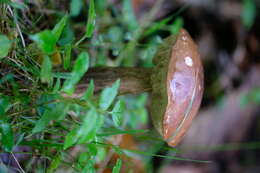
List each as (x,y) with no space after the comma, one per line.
(17,26)
(18,164)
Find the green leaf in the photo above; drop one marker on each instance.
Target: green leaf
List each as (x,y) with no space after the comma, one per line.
(67,36)
(117,113)
(83,158)
(57,30)
(137,110)
(79,69)
(45,40)
(86,132)
(67,56)
(91,19)
(5,45)
(8,77)
(75,7)
(46,70)
(117,149)
(57,86)
(162,24)
(129,18)
(89,168)
(19,138)
(90,91)
(54,163)
(117,167)
(108,95)
(89,127)
(101,153)
(248,13)
(18,5)
(7,136)
(5,1)
(42,122)
(101,6)
(60,111)
(71,138)
(92,149)
(157,26)
(57,113)
(4,105)
(46,98)
(176,26)
(252,96)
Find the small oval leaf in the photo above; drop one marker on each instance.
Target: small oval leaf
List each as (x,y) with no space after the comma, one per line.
(5,45)
(79,69)
(108,95)
(45,40)
(57,30)
(117,167)
(89,92)
(7,136)
(117,113)
(91,19)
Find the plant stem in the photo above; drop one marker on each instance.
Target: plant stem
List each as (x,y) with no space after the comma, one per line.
(82,39)
(132,80)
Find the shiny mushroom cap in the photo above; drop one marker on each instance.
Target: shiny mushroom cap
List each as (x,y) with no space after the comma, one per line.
(177,83)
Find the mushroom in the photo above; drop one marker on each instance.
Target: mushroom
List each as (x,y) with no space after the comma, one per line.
(176,84)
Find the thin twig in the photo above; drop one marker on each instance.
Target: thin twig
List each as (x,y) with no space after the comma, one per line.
(19,64)
(21,169)
(17,26)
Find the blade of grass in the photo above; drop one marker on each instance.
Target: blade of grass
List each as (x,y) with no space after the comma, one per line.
(91,19)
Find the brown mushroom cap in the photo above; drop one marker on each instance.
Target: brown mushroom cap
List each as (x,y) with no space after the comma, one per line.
(177,86)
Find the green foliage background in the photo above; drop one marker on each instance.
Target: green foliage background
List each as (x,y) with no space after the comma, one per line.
(45,54)
(36,58)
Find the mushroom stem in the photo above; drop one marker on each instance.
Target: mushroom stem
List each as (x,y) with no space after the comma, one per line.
(132,80)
